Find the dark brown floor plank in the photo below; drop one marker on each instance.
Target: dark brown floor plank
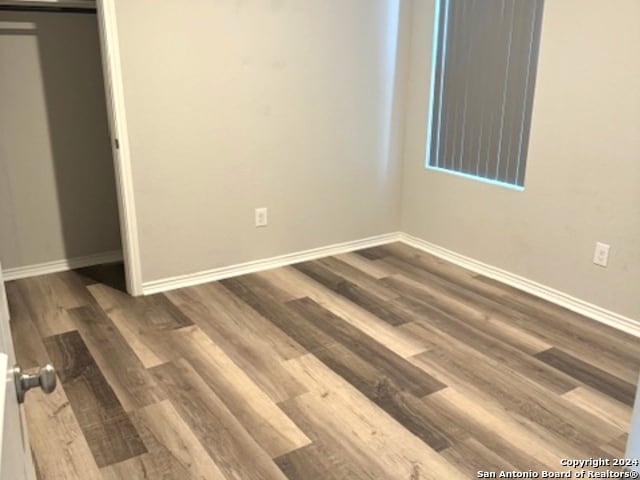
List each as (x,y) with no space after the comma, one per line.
(60,449)
(386,379)
(433,427)
(380,374)
(316,462)
(405,376)
(357,277)
(589,375)
(404,407)
(301,286)
(365,299)
(340,417)
(365,375)
(257,295)
(109,432)
(127,376)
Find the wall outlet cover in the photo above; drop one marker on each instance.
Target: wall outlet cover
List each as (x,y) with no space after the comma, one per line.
(601,254)
(261,217)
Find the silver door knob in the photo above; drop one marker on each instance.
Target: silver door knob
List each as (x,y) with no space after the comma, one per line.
(45,378)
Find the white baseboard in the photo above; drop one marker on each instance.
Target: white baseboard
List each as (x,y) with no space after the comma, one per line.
(552,295)
(61,265)
(557,297)
(258,265)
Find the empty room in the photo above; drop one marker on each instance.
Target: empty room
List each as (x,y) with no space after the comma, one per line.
(319,239)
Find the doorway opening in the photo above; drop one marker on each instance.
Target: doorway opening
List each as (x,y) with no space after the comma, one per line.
(59,205)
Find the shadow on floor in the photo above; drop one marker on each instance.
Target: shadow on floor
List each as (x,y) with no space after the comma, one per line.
(111,274)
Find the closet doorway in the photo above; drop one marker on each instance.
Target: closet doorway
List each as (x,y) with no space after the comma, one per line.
(61,202)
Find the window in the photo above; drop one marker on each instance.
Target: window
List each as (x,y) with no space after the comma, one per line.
(483,77)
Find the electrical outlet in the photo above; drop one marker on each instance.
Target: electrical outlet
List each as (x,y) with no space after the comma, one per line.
(601,255)
(261,217)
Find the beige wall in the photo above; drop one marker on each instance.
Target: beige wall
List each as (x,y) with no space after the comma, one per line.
(300,107)
(233,105)
(57,190)
(583,173)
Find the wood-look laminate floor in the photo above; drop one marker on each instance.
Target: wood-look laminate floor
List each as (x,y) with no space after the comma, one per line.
(385,363)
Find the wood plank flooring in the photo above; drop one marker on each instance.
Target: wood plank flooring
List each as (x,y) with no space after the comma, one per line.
(386,363)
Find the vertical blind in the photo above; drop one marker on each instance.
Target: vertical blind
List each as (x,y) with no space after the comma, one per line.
(482,86)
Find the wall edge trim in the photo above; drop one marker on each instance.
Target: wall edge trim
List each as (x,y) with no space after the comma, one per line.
(63,265)
(171,283)
(592,311)
(116,109)
(562,299)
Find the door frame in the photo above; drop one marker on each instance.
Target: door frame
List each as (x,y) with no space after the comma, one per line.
(117,119)
(120,146)
(6,343)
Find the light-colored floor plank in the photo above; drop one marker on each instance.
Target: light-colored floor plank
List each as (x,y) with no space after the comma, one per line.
(490,417)
(50,419)
(253,343)
(471,456)
(131,333)
(600,405)
(47,299)
(366,432)
(230,314)
(146,467)
(617,447)
(163,422)
(370,268)
(225,439)
(264,421)
(379,364)
(146,342)
(57,441)
(292,280)
(496,413)
(493,322)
